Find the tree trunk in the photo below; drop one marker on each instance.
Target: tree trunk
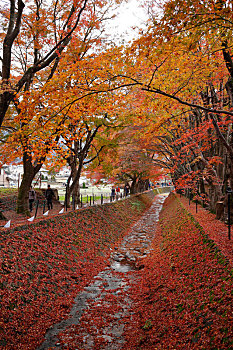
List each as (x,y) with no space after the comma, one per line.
(133,187)
(76,194)
(67,196)
(202,186)
(74,189)
(219,210)
(29,173)
(22,202)
(147,182)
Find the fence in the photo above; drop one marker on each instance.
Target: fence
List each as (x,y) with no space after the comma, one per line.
(85,200)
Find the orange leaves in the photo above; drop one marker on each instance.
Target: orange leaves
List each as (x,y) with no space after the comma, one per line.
(178,61)
(72,97)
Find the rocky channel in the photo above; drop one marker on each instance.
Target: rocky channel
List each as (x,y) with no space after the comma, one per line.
(113,281)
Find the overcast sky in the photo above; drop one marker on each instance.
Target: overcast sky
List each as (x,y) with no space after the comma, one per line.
(129,14)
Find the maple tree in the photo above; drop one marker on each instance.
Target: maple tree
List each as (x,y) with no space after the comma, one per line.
(183,64)
(41,116)
(77,149)
(191,153)
(34,37)
(125,160)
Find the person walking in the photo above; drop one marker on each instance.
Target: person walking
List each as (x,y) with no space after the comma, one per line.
(31,198)
(126,190)
(118,192)
(113,193)
(49,194)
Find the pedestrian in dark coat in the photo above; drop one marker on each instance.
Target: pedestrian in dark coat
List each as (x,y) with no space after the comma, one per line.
(31,198)
(49,194)
(113,193)
(126,190)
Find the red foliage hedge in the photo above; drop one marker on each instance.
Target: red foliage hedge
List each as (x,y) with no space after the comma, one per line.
(44,266)
(184,297)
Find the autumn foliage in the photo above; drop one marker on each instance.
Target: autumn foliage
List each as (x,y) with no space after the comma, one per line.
(184,297)
(162,104)
(45,265)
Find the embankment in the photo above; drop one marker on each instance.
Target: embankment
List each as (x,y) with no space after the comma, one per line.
(45,265)
(184,298)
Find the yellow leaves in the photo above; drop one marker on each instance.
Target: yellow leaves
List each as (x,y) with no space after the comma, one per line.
(64,108)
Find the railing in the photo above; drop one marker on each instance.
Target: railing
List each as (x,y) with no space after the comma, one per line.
(88,200)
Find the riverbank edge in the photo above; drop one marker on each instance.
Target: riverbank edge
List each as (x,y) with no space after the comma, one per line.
(184,296)
(45,264)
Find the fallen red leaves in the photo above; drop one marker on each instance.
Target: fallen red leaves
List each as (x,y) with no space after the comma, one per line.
(45,265)
(216,229)
(184,297)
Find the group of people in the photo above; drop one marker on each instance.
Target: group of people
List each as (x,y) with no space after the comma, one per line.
(49,194)
(115,192)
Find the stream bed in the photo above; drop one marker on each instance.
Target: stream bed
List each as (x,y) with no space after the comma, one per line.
(95,317)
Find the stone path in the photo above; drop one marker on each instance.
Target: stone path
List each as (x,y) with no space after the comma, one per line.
(97,311)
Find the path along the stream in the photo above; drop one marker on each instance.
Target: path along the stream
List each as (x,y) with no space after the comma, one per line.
(95,320)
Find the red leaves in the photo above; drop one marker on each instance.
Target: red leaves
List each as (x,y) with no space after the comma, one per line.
(184,297)
(45,265)
(216,229)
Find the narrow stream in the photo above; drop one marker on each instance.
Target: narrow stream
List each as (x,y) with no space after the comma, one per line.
(108,285)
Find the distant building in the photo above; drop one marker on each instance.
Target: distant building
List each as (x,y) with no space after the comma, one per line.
(4,178)
(11,176)
(14,173)
(65,172)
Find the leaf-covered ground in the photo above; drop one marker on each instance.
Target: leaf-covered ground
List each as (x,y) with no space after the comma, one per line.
(8,204)
(216,229)
(44,265)
(184,297)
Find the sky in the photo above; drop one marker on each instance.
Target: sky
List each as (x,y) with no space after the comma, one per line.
(129,14)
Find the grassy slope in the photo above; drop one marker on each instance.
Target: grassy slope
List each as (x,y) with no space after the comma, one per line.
(184,300)
(44,266)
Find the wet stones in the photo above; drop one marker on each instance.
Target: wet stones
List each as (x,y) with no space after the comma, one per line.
(109,285)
